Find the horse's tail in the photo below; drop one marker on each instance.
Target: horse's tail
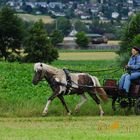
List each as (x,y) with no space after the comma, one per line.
(101,92)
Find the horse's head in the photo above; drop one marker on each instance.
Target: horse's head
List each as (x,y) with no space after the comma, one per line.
(39,73)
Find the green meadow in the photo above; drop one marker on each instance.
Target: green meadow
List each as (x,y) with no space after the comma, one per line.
(70,128)
(20,98)
(35,18)
(87,55)
(21,105)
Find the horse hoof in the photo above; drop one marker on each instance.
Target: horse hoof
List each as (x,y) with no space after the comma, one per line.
(69,113)
(44,114)
(76,110)
(101,113)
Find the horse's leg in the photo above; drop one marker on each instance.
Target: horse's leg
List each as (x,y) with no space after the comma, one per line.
(45,111)
(82,101)
(64,103)
(56,92)
(97,100)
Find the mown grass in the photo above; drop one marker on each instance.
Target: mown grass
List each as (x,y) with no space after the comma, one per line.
(70,128)
(18,97)
(87,55)
(35,18)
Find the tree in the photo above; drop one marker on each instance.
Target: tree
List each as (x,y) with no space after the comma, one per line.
(38,46)
(130,37)
(131,29)
(56,37)
(64,25)
(11,32)
(80,26)
(82,40)
(3,2)
(136,41)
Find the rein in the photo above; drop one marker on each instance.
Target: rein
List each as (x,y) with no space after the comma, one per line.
(113,69)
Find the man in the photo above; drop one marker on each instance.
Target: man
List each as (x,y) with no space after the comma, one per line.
(133,67)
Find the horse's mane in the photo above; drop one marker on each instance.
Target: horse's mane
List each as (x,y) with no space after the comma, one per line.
(46,67)
(51,69)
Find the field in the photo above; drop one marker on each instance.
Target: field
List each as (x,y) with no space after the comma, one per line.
(34,18)
(22,103)
(70,128)
(87,55)
(19,98)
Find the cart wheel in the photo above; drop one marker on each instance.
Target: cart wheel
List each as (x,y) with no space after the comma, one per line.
(137,106)
(121,105)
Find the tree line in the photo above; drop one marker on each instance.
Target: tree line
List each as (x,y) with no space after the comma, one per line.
(21,42)
(32,42)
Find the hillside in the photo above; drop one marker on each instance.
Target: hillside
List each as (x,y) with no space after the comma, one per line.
(34,18)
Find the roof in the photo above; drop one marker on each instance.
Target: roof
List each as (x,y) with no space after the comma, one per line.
(93,35)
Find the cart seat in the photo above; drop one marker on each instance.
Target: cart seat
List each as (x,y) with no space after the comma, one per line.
(136,81)
(110,83)
(111,87)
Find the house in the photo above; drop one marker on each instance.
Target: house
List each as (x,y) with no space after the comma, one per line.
(130,2)
(54,4)
(85,17)
(59,14)
(68,43)
(137,2)
(73,33)
(78,12)
(31,4)
(115,15)
(11,3)
(41,4)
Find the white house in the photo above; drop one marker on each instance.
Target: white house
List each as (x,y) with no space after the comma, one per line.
(73,33)
(115,15)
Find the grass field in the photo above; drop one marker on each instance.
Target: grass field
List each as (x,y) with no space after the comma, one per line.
(18,97)
(21,105)
(87,55)
(113,42)
(70,128)
(34,18)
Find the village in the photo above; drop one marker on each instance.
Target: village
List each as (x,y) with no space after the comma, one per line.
(104,10)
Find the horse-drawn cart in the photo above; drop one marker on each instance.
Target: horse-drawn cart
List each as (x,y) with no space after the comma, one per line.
(120,99)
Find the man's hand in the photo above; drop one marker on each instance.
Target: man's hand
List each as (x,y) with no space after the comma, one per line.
(127,67)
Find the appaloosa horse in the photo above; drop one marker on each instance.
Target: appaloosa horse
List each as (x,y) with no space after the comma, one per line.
(64,83)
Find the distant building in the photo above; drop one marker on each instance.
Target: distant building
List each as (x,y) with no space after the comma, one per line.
(137,2)
(115,15)
(68,43)
(73,32)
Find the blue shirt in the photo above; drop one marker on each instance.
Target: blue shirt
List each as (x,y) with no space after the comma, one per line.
(134,63)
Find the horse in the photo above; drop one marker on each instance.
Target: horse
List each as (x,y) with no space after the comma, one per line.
(63,82)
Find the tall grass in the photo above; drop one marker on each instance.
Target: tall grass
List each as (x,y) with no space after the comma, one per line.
(18,97)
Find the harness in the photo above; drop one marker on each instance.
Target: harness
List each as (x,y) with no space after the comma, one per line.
(68,79)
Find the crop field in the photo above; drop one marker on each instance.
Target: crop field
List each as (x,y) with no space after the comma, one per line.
(22,103)
(87,55)
(18,97)
(34,18)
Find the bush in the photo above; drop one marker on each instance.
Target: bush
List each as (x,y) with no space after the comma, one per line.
(82,40)
(136,41)
(13,57)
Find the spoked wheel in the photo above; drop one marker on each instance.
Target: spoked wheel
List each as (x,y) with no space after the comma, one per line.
(137,106)
(120,104)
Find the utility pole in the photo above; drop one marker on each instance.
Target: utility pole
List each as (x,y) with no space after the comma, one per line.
(56,24)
